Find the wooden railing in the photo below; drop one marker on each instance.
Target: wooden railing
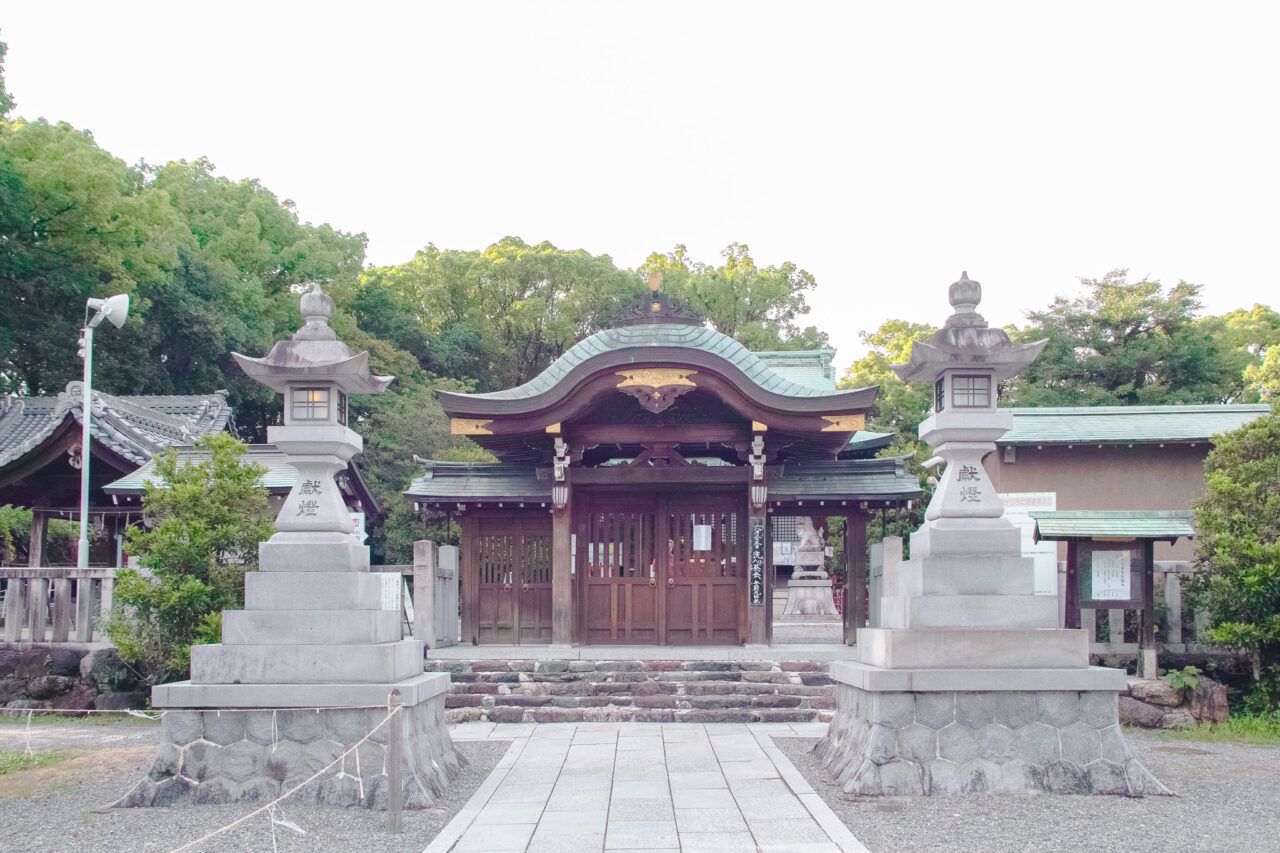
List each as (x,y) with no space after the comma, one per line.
(55,603)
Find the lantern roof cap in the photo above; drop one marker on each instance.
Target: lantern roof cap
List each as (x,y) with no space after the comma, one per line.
(314,354)
(966,341)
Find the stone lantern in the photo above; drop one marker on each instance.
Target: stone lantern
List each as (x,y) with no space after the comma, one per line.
(318,655)
(968,684)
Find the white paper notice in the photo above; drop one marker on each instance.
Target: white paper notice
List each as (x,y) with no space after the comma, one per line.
(1111,576)
(391,586)
(1016,507)
(702,537)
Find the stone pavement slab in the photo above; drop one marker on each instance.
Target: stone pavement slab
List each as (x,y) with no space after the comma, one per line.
(636,787)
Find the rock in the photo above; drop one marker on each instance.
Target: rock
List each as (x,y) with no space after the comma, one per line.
(1178,718)
(1135,713)
(63,661)
(12,688)
(134,701)
(103,670)
(1209,701)
(49,686)
(1156,691)
(20,707)
(78,698)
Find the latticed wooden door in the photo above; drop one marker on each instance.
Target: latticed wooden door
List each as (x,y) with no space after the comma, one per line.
(617,552)
(707,570)
(513,563)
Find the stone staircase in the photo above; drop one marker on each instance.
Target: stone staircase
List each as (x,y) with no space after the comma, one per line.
(663,691)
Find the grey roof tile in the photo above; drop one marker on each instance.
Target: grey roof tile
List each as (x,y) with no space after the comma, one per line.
(135,427)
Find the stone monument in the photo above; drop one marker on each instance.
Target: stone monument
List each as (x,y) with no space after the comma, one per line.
(314,634)
(969,685)
(809,590)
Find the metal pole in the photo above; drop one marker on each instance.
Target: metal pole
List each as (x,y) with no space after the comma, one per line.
(82,557)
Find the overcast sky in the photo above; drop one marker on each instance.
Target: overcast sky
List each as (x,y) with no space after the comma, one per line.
(884,147)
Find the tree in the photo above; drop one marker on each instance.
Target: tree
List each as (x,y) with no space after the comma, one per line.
(1238,548)
(75,223)
(760,308)
(1122,344)
(201,527)
(6,100)
(900,406)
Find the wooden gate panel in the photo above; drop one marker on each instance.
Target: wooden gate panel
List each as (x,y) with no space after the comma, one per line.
(620,576)
(496,603)
(534,595)
(707,560)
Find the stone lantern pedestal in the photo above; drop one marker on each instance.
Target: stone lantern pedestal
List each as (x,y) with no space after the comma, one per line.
(316,654)
(969,685)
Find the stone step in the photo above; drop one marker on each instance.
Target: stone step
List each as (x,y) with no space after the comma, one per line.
(642,691)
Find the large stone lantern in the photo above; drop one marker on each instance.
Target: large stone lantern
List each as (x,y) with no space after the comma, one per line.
(317,656)
(968,685)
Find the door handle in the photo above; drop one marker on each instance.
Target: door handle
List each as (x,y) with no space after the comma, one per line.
(506,587)
(524,587)
(653,582)
(671,581)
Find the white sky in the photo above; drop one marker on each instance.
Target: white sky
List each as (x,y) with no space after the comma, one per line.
(882,146)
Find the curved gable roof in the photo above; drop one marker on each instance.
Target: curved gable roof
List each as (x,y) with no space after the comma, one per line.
(658,343)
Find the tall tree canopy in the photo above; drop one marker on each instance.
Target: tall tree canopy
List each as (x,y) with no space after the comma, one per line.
(1122,344)
(762,308)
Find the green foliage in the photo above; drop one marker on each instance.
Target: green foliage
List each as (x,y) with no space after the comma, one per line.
(1238,575)
(1261,727)
(1252,364)
(200,535)
(900,406)
(1185,679)
(1123,344)
(15,525)
(760,308)
(6,100)
(16,760)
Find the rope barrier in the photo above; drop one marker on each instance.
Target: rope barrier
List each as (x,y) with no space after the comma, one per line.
(269,806)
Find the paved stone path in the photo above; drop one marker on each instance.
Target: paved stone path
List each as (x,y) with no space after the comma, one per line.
(640,787)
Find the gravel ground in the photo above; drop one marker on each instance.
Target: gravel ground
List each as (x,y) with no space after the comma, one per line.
(62,808)
(1227,798)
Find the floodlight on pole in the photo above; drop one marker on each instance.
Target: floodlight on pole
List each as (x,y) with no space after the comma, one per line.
(115,310)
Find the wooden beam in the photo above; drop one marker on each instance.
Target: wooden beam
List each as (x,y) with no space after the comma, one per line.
(561,574)
(639,433)
(691,474)
(855,575)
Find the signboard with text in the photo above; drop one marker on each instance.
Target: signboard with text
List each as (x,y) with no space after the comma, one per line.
(1016,507)
(755,579)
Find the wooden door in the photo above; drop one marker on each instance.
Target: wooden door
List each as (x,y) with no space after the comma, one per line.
(513,563)
(707,569)
(616,556)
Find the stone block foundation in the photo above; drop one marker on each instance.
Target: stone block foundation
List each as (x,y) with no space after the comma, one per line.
(215,757)
(1061,742)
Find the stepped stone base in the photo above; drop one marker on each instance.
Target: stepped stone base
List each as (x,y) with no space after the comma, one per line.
(657,691)
(208,757)
(809,597)
(889,743)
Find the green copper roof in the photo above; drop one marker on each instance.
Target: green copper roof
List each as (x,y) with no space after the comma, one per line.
(847,479)
(657,335)
(811,368)
(1126,424)
(1129,524)
(480,482)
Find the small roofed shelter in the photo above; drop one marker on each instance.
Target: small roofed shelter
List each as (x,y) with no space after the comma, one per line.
(635,480)
(1111,562)
(40,453)
(278,480)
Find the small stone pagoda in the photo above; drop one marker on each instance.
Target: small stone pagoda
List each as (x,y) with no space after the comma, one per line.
(316,650)
(969,685)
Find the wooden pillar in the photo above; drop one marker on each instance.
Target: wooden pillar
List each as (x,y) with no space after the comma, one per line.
(61,610)
(855,575)
(15,609)
(37,605)
(84,610)
(1071,618)
(1173,604)
(468,575)
(1147,640)
(38,538)
(424,593)
(562,573)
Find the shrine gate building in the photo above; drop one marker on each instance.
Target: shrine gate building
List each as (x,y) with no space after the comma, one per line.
(635,480)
